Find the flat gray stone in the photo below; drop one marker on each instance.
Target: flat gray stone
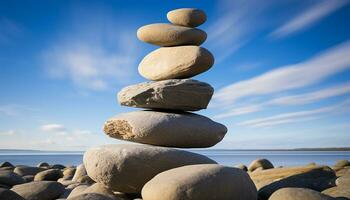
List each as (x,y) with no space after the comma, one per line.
(173,94)
(126,168)
(27,170)
(183,130)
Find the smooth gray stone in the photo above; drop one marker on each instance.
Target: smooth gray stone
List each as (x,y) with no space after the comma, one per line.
(167,35)
(198,182)
(48,175)
(9,195)
(10,178)
(190,17)
(39,190)
(26,170)
(182,130)
(175,63)
(260,163)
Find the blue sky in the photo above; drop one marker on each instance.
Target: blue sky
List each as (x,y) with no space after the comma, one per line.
(281,74)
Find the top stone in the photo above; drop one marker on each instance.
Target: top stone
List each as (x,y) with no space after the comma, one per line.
(189,17)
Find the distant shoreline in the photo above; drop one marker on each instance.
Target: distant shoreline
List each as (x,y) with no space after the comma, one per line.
(296,149)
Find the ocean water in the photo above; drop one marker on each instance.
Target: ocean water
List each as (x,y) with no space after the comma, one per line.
(225,157)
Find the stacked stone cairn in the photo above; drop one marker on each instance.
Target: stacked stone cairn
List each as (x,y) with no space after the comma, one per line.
(155,169)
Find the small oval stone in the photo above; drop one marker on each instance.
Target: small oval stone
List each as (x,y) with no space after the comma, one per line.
(43,190)
(48,175)
(260,163)
(166,35)
(127,167)
(166,129)
(198,182)
(190,17)
(175,63)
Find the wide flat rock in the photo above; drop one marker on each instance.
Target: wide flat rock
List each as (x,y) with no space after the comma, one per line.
(126,167)
(183,129)
(198,182)
(173,94)
(175,63)
(166,35)
(313,177)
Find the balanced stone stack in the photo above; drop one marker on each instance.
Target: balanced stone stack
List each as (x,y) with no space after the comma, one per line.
(154,168)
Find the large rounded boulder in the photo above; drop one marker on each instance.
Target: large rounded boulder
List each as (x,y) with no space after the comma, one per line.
(198,182)
(39,190)
(126,168)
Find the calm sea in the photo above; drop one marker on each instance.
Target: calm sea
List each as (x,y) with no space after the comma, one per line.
(225,157)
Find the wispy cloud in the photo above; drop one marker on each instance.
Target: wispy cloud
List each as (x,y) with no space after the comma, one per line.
(96,54)
(297,116)
(308,17)
(53,128)
(302,99)
(14,110)
(236,24)
(299,99)
(289,77)
(8,133)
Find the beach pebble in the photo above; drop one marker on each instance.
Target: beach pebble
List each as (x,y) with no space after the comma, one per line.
(260,163)
(6,164)
(242,167)
(343,180)
(342,192)
(175,63)
(43,165)
(28,178)
(167,35)
(166,129)
(48,175)
(90,196)
(9,195)
(190,17)
(127,167)
(173,94)
(57,166)
(26,170)
(69,172)
(79,172)
(313,177)
(9,178)
(97,188)
(298,194)
(39,190)
(85,180)
(342,163)
(198,182)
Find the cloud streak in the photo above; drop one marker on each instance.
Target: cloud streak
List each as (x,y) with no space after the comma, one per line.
(95,54)
(308,17)
(296,116)
(289,77)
